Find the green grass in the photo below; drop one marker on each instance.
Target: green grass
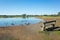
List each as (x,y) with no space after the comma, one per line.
(57,32)
(49,34)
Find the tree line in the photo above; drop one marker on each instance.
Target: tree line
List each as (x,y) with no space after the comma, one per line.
(26,16)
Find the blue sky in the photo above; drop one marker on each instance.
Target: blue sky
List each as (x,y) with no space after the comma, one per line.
(30,7)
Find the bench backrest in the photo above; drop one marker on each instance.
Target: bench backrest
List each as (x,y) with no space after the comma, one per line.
(52,21)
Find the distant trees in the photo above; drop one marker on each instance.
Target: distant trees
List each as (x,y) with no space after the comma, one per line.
(58,13)
(24,15)
(53,15)
(27,16)
(3,16)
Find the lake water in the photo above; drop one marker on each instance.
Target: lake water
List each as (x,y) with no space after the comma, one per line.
(18,21)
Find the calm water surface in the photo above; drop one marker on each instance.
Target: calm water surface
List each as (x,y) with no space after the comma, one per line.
(18,21)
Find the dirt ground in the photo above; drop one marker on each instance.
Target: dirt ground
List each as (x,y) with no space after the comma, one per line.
(22,33)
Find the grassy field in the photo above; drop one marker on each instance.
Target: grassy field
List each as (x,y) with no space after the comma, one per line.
(22,33)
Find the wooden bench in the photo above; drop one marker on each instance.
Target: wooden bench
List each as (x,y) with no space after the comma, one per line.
(51,22)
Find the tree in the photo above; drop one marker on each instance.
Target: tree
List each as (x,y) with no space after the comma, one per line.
(58,13)
(24,15)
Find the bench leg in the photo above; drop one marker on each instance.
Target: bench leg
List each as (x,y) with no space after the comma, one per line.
(44,28)
(53,25)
